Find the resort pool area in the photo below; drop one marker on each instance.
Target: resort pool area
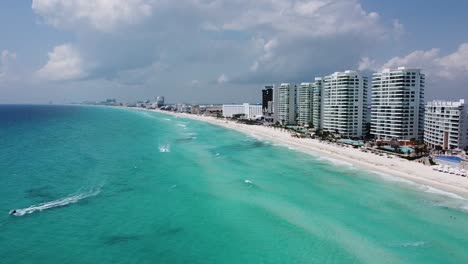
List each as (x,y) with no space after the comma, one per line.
(404,149)
(351,142)
(407,149)
(453,159)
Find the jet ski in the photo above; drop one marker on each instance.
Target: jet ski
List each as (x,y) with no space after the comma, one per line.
(13,212)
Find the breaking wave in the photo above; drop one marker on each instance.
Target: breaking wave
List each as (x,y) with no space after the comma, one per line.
(165,148)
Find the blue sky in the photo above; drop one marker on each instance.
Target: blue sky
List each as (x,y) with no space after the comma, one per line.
(218,50)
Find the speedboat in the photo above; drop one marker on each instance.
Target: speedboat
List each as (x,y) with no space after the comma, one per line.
(13,212)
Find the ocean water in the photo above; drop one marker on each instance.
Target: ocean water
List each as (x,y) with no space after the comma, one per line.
(105,185)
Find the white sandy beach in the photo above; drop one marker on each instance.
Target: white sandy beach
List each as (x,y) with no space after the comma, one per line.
(397,167)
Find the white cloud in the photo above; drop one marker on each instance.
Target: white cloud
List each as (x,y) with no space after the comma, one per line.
(456,64)
(223,78)
(367,64)
(6,58)
(250,42)
(283,30)
(311,17)
(102,15)
(446,74)
(296,33)
(451,67)
(65,63)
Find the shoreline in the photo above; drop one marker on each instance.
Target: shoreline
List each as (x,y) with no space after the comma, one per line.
(396,167)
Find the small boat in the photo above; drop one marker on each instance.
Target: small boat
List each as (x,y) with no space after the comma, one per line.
(13,212)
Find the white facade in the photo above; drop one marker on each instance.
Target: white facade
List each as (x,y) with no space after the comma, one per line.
(304,104)
(159,101)
(344,99)
(446,125)
(398,104)
(249,111)
(317,111)
(285,104)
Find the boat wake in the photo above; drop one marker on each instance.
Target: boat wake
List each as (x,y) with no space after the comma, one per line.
(165,148)
(414,244)
(57,203)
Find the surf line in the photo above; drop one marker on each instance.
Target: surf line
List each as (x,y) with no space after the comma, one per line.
(56,203)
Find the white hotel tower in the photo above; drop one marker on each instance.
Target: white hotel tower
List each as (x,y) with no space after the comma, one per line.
(398,104)
(344,99)
(317,112)
(285,104)
(304,104)
(446,125)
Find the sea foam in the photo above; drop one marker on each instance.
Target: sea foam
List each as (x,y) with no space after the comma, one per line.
(165,148)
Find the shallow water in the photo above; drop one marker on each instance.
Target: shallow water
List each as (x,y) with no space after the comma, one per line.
(172,190)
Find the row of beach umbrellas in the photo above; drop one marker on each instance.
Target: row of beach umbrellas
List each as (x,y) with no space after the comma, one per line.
(450,170)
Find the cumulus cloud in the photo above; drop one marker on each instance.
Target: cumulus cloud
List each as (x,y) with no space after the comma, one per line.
(102,15)
(298,17)
(452,66)
(293,36)
(250,42)
(446,74)
(65,63)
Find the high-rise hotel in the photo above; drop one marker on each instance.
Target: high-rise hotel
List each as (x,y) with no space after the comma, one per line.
(285,104)
(304,104)
(446,125)
(344,99)
(267,99)
(317,112)
(398,104)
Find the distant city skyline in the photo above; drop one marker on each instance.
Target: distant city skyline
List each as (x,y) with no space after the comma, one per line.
(221,51)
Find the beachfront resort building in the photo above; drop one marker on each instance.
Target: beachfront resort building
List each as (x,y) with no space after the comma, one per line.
(267,99)
(246,111)
(159,101)
(317,103)
(344,103)
(398,104)
(446,125)
(304,104)
(285,104)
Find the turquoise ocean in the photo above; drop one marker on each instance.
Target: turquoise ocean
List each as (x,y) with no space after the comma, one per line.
(109,185)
